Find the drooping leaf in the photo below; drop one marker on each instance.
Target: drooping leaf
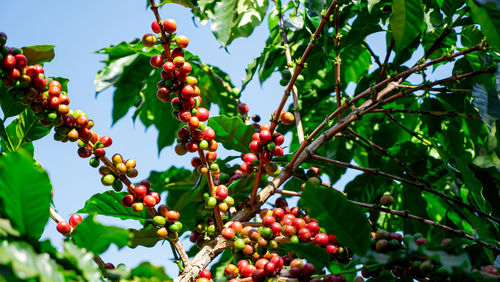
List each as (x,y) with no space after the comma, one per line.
(489,19)
(27,264)
(338,216)
(83,260)
(95,237)
(312,253)
(146,237)
(10,105)
(487,102)
(232,132)
(25,192)
(109,204)
(38,54)
(406,21)
(147,270)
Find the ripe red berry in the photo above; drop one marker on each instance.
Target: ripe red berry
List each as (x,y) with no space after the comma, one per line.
(265,136)
(172,216)
(242,108)
(156,61)
(156,195)
(236,226)
(106,141)
(278,151)
(155,27)
(331,249)
(270,269)
(321,239)
(184,115)
(140,192)
(231,270)
(9,62)
(75,219)
(170,25)
(247,270)
(187,91)
(308,270)
(128,200)
(99,152)
(228,233)
(21,61)
(181,41)
(63,227)
(205,273)
(194,123)
(192,146)
(287,118)
(278,139)
(209,134)
(202,114)
(221,192)
(249,158)
(149,201)
(255,146)
(304,235)
(84,152)
(268,220)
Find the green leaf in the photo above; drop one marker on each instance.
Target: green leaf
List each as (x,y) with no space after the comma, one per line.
(146,237)
(25,128)
(232,132)
(25,191)
(406,21)
(356,61)
(237,18)
(7,229)
(486,100)
(312,253)
(109,204)
(185,3)
(147,270)
(27,264)
(39,53)
(10,105)
(371,4)
(96,237)
(489,19)
(338,216)
(83,260)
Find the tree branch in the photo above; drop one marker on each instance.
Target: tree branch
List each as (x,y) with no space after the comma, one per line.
(386,60)
(423,112)
(211,188)
(295,96)
(337,61)
(165,40)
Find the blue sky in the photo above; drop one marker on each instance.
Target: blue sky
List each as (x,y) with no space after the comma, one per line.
(77,30)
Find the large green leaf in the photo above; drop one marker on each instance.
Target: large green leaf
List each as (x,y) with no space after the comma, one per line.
(237,18)
(406,21)
(146,237)
(109,204)
(25,128)
(232,132)
(83,260)
(338,216)
(147,270)
(25,192)
(489,18)
(96,237)
(10,105)
(27,264)
(39,53)
(356,61)
(487,102)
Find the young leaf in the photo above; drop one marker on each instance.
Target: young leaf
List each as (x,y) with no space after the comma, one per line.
(96,237)
(25,192)
(38,54)
(26,127)
(232,132)
(338,216)
(83,260)
(109,204)
(406,21)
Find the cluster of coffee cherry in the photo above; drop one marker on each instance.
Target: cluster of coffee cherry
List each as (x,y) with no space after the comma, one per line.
(28,84)
(66,228)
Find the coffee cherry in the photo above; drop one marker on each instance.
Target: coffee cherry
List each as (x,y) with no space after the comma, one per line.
(172,216)
(421,241)
(236,226)
(304,235)
(108,179)
(162,232)
(386,200)
(175,227)
(106,141)
(287,118)
(75,219)
(99,152)
(156,61)
(63,227)
(242,108)
(205,273)
(211,202)
(221,192)
(149,40)
(231,270)
(181,41)
(259,275)
(149,201)
(247,270)
(159,221)
(155,27)
(265,136)
(137,207)
(170,25)
(140,191)
(202,114)
(255,146)
(228,233)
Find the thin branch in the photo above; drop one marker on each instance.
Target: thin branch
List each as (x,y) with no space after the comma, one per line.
(384,152)
(422,187)
(165,40)
(337,61)
(412,133)
(390,85)
(295,96)
(58,218)
(211,188)
(256,182)
(375,57)
(386,60)
(422,112)
(300,65)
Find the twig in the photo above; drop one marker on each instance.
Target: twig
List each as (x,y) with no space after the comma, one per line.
(165,41)
(211,187)
(405,214)
(422,112)
(256,182)
(58,218)
(337,60)
(288,56)
(390,86)
(386,60)
(375,57)
(422,187)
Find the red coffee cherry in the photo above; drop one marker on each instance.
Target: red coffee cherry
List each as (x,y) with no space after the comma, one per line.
(181,41)
(242,108)
(156,61)
(75,219)
(155,27)
(170,25)
(128,200)
(228,233)
(63,227)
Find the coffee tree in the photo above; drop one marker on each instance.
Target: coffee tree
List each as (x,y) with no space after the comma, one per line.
(425,143)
